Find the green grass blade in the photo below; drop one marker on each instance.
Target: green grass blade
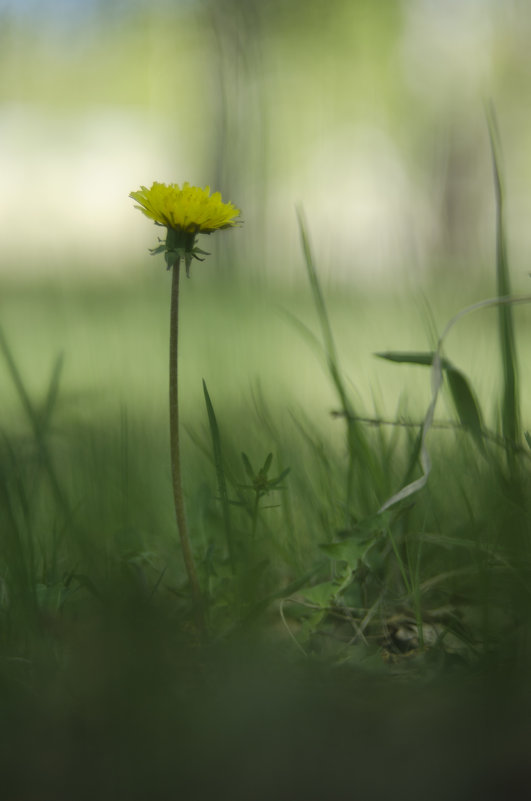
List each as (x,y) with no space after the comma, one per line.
(326,330)
(220,475)
(466,405)
(19,384)
(510,398)
(53,391)
(264,470)
(358,448)
(17,546)
(303,329)
(424,358)
(465,400)
(36,420)
(248,468)
(413,460)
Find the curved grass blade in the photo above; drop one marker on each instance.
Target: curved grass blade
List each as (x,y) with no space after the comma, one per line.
(465,400)
(436,381)
(466,405)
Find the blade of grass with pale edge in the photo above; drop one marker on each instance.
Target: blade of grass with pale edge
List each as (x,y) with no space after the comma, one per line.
(464,398)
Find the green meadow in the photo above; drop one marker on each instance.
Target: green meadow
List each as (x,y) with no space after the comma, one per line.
(355,424)
(313,599)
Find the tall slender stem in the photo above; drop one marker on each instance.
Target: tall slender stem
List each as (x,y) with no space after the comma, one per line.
(174,440)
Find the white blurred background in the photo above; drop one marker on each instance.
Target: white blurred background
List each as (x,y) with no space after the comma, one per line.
(369,115)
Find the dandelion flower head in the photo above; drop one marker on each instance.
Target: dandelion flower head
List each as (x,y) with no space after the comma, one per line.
(188,208)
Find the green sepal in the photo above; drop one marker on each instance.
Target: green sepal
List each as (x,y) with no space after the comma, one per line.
(179,245)
(188,257)
(171,256)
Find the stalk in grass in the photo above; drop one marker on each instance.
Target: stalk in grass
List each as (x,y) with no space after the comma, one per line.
(184,212)
(510,400)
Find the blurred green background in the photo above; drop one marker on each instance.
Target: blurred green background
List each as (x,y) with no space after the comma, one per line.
(368,114)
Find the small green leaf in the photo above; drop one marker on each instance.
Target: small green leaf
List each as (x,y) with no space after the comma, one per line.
(466,405)
(248,469)
(375,523)
(171,257)
(267,464)
(321,595)
(310,626)
(274,482)
(188,258)
(348,551)
(412,357)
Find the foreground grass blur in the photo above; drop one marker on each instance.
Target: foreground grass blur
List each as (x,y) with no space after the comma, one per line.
(98,641)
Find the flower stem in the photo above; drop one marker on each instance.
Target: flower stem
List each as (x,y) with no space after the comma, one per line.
(174,445)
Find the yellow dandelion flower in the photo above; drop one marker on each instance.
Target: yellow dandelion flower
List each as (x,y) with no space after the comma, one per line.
(185,212)
(189,209)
